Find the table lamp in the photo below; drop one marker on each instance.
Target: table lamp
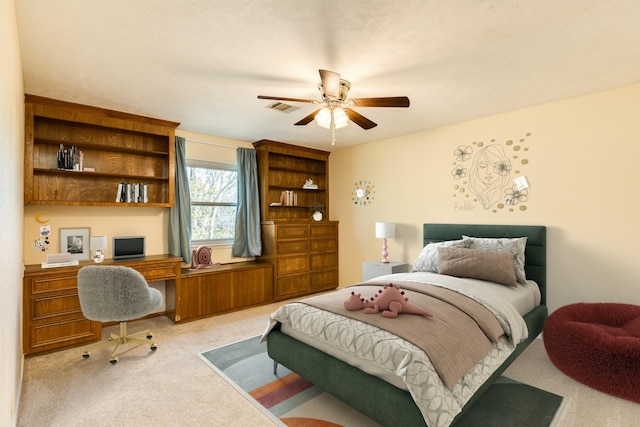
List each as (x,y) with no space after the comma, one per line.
(385,230)
(98,243)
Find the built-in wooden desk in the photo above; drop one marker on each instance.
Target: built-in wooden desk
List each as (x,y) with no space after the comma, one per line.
(53,319)
(52,316)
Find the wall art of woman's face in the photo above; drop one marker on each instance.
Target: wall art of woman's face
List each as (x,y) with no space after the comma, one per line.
(490,172)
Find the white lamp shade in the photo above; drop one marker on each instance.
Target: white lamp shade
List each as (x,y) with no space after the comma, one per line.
(340,118)
(386,230)
(98,243)
(323,118)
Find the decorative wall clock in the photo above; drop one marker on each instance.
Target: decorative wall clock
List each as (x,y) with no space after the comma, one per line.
(362,193)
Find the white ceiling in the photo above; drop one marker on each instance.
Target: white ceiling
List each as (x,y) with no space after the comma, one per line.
(203,62)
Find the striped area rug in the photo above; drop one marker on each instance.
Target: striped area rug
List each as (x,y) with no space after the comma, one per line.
(286,397)
(290,400)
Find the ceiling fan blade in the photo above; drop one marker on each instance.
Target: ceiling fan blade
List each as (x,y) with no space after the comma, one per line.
(330,83)
(359,119)
(393,101)
(308,119)
(280,98)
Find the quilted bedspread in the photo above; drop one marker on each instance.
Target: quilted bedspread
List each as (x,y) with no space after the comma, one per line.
(461,332)
(438,403)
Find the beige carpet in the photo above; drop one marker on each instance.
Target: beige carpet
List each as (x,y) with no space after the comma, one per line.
(173,387)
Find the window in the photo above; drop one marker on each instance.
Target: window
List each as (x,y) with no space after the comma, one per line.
(214,194)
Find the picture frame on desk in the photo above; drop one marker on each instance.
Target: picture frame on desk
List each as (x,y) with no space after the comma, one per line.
(75,242)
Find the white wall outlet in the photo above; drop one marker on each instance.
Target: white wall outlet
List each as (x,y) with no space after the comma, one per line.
(522,183)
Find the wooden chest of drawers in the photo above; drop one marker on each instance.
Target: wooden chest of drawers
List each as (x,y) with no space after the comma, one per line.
(305,256)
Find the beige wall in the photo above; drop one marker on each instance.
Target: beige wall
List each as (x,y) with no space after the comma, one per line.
(583,154)
(11,200)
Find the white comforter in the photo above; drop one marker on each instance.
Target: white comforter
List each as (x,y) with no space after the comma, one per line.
(399,361)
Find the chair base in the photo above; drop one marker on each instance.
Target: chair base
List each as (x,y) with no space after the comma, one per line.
(115,341)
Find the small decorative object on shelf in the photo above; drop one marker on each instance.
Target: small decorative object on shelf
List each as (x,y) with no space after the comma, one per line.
(318,208)
(309,185)
(98,243)
(70,159)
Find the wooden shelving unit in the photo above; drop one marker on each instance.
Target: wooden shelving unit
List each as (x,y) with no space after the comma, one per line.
(119,147)
(304,252)
(283,167)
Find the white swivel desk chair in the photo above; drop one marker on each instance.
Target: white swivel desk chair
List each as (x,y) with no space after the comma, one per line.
(116,294)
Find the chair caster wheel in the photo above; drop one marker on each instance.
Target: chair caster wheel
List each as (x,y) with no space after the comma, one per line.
(86,355)
(154,347)
(113,361)
(149,336)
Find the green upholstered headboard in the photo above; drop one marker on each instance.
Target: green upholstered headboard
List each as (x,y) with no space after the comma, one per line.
(535,254)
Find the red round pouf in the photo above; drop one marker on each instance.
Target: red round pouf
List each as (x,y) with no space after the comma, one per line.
(597,344)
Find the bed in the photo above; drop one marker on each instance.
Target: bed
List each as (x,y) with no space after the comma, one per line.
(390,401)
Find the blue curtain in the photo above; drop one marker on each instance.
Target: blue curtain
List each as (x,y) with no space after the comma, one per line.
(180,216)
(247,240)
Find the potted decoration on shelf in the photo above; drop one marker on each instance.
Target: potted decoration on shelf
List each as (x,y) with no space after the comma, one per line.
(318,210)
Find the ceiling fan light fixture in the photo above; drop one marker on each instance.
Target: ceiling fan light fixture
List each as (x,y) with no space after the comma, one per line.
(340,118)
(323,118)
(338,109)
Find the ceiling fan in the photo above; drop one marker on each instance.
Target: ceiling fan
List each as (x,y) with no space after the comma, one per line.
(337,109)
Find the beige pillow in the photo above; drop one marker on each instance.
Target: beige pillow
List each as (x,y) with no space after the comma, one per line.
(516,246)
(477,264)
(428,258)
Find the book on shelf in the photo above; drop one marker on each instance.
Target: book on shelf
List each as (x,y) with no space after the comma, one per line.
(70,158)
(132,193)
(288,198)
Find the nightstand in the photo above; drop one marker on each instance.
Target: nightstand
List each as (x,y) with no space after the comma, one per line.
(371,269)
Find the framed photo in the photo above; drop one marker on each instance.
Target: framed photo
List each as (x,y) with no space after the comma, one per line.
(75,241)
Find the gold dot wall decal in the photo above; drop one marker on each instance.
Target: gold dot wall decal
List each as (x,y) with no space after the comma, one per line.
(484,175)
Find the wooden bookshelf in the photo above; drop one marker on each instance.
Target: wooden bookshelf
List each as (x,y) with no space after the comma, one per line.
(118,148)
(304,252)
(284,167)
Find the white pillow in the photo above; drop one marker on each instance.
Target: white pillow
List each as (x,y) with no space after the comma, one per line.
(428,258)
(515,246)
